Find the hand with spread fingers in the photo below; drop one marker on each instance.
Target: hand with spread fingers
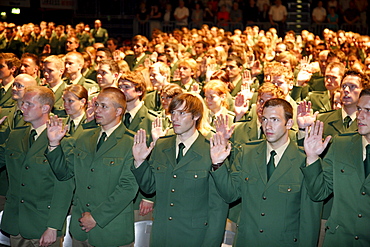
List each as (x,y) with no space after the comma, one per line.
(140,151)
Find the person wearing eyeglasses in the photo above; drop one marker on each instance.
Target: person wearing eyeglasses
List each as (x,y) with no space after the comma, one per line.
(14,118)
(137,116)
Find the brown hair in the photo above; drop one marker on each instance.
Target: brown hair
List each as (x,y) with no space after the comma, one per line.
(193,105)
(44,95)
(117,97)
(137,79)
(288,109)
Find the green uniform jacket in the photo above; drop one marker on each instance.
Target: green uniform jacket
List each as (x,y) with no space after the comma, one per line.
(58,108)
(333,123)
(342,172)
(5,129)
(188,210)
(277,212)
(105,186)
(320,101)
(153,101)
(35,200)
(7,100)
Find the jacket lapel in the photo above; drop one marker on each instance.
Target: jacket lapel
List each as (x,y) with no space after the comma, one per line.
(134,125)
(111,140)
(170,151)
(261,162)
(192,153)
(284,164)
(337,123)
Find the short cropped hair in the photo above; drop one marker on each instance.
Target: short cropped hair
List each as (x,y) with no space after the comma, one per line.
(117,97)
(44,95)
(288,109)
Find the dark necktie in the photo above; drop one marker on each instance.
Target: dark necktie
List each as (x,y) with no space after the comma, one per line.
(17,118)
(367,161)
(32,137)
(346,122)
(271,165)
(181,150)
(126,122)
(71,127)
(101,140)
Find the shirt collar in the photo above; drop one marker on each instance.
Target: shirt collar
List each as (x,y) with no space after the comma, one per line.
(187,143)
(39,130)
(135,110)
(279,151)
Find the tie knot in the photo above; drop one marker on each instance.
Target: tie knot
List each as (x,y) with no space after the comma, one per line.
(273,153)
(103,136)
(33,133)
(181,146)
(347,120)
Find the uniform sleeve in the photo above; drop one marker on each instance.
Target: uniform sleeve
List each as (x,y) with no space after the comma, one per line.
(61,159)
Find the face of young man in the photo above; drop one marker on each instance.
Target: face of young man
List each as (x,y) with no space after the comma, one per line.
(105,77)
(5,71)
(274,125)
(128,88)
(32,109)
(19,85)
(29,67)
(350,90)
(105,113)
(282,83)
(156,78)
(100,56)
(51,73)
(184,123)
(138,48)
(363,116)
(232,69)
(261,100)
(185,72)
(332,78)
(72,65)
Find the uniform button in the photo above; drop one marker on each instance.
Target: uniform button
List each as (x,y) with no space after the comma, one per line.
(261,231)
(262,214)
(289,189)
(195,176)
(89,187)
(171,204)
(342,170)
(78,154)
(22,184)
(49,207)
(363,193)
(174,176)
(158,168)
(11,154)
(22,201)
(27,167)
(295,240)
(172,190)
(170,218)
(360,215)
(92,169)
(112,162)
(45,161)
(356,237)
(206,223)
(264,198)
(246,179)
(87,205)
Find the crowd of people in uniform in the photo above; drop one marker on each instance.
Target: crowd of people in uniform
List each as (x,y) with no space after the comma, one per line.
(197,130)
